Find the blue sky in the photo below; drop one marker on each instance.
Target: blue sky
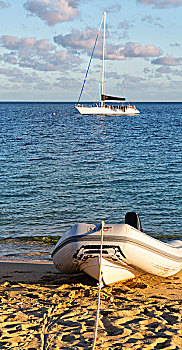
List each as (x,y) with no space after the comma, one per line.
(45,47)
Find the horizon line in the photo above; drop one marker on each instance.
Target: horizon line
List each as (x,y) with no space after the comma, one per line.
(76,102)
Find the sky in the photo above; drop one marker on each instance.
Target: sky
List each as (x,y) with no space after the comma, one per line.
(45,48)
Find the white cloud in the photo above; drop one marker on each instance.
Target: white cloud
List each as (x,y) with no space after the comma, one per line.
(83,41)
(134,80)
(9,58)
(4,4)
(125,25)
(162,3)
(177,72)
(14,43)
(114,8)
(152,20)
(146,70)
(77,40)
(164,70)
(68,83)
(168,60)
(113,75)
(39,55)
(52,11)
(141,50)
(17,76)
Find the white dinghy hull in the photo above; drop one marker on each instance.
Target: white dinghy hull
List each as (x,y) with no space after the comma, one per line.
(111,272)
(127,252)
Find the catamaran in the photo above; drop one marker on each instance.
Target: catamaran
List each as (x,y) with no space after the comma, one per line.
(102,107)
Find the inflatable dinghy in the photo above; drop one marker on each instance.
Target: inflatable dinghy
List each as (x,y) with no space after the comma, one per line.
(127,252)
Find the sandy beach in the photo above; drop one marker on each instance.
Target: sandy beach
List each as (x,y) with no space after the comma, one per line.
(43,309)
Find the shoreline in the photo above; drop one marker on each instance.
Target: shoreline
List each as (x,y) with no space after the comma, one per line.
(44,309)
(25,271)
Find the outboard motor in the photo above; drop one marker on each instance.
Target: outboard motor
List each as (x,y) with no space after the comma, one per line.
(132,219)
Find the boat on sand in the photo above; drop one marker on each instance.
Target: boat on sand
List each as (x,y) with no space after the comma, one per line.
(126,250)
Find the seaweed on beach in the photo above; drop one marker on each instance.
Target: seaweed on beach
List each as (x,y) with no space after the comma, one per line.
(42,239)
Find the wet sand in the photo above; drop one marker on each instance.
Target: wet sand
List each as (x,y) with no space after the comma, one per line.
(43,309)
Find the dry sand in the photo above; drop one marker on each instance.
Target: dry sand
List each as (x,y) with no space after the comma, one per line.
(42,309)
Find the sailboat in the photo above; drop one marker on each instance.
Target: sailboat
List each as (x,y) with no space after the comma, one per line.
(102,107)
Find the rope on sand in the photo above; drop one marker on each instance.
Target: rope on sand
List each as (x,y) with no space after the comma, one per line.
(100,284)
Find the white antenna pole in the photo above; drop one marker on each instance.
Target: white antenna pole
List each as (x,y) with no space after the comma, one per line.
(103,58)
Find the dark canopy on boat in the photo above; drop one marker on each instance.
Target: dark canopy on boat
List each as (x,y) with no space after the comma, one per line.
(112,98)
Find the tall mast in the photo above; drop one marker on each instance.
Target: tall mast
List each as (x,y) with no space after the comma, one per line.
(103,59)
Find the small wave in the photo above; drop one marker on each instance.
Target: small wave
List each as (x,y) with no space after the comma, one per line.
(169,237)
(177,243)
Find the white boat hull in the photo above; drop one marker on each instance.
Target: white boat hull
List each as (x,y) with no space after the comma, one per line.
(127,252)
(103,108)
(111,271)
(107,110)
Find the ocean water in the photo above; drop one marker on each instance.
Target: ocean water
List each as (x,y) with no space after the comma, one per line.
(56,170)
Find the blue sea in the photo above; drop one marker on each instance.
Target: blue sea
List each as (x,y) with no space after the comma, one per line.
(58,168)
